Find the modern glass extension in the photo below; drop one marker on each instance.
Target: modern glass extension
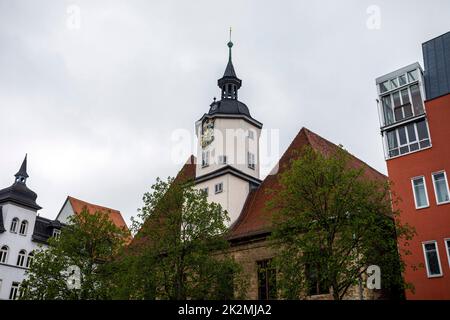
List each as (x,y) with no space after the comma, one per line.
(402,114)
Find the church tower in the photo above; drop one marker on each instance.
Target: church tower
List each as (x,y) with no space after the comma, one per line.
(228,147)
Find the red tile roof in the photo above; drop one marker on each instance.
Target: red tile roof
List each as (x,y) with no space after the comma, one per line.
(115,215)
(254,218)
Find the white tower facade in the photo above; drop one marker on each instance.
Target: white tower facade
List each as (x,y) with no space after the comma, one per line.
(228,147)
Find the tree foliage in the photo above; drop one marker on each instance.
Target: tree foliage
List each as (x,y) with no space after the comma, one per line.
(179,251)
(89,242)
(330,223)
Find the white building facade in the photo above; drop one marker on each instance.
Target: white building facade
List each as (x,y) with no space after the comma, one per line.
(227,166)
(21,232)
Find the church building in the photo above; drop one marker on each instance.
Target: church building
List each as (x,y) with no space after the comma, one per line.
(227,168)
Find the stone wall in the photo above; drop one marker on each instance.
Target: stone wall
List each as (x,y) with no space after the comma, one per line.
(249,253)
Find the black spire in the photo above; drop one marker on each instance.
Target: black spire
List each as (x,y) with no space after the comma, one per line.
(22,175)
(19,192)
(229,83)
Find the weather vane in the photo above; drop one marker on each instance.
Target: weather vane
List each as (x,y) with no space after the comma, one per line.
(230,34)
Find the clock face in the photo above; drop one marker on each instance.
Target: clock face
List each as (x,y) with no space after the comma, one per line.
(207,132)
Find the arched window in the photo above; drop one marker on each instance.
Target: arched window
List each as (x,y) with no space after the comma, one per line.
(4,254)
(21,258)
(23,227)
(14,224)
(30,259)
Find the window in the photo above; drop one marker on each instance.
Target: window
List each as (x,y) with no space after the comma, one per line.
(14,293)
(267,282)
(14,224)
(56,233)
(30,259)
(441,187)
(223,159)
(408,138)
(251,134)
(21,258)
(402,80)
(205,158)
(23,227)
(447,246)
(412,76)
(420,192)
(387,110)
(4,254)
(205,190)
(416,99)
(218,188)
(401,98)
(432,261)
(316,285)
(385,86)
(251,160)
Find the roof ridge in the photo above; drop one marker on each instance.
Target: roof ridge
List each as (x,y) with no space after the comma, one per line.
(348,152)
(92,204)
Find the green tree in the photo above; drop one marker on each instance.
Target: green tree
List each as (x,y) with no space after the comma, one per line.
(179,251)
(331,222)
(88,243)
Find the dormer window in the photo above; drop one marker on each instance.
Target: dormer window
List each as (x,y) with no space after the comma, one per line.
(56,233)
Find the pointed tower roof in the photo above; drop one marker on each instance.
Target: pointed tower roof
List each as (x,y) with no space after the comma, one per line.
(23,169)
(229,70)
(229,76)
(18,192)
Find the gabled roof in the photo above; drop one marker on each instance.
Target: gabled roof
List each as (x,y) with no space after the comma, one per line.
(78,206)
(254,218)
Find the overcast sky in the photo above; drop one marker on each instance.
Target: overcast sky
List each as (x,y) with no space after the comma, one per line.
(94,101)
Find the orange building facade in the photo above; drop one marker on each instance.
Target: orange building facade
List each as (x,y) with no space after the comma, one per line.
(415,124)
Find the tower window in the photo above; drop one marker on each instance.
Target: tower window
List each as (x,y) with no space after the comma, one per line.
(420,192)
(14,224)
(223,160)
(251,134)
(432,261)
(23,227)
(441,187)
(4,254)
(205,190)
(218,188)
(251,160)
(205,158)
